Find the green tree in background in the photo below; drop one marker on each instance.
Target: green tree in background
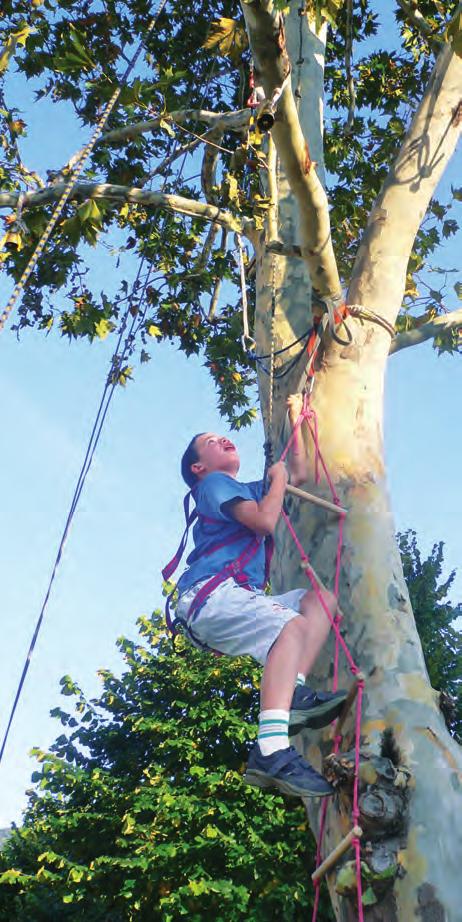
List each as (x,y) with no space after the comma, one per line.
(435,618)
(139,810)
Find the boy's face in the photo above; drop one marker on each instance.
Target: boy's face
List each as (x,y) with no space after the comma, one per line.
(215,453)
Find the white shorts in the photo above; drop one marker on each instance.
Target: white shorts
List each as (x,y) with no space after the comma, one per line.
(240,622)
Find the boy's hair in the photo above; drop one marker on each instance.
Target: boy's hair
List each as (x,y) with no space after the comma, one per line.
(190,457)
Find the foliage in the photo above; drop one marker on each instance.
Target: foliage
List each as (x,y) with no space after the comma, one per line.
(436,623)
(74,53)
(140,811)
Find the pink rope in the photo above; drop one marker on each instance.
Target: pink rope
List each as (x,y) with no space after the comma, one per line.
(293,436)
(355,812)
(309,415)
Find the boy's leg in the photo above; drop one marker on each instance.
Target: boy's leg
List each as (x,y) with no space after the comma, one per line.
(272,761)
(295,651)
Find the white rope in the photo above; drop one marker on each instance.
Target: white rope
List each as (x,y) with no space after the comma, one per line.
(247,340)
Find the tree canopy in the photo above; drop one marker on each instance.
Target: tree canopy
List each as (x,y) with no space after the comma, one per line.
(140,811)
(181,131)
(437,624)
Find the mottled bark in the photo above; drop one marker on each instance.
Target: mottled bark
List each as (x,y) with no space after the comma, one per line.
(411,770)
(120,194)
(379,272)
(273,56)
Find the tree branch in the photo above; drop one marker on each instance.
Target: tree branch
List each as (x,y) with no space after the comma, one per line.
(178,152)
(414,15)
(209,164)
(379,273)
(174,203)
(223,121)
(429,330)
(267,39)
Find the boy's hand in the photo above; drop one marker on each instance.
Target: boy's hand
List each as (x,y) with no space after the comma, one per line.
(278,472)
(294,407)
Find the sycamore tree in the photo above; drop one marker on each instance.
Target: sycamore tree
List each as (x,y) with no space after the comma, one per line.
(335,200)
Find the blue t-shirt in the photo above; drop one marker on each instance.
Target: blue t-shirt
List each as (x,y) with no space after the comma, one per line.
(214,497)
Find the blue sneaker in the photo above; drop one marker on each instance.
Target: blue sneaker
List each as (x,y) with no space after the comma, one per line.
(287,771)
(314,709)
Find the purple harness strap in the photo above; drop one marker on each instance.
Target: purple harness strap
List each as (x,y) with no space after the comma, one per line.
(234,569)
(190,517)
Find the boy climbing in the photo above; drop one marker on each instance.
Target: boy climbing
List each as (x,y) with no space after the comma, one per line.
(222,604)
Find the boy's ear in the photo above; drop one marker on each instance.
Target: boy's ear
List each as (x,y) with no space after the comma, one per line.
(197,468)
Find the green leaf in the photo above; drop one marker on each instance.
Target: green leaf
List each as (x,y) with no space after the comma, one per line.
(458,290)
(128,824)
(103,327)
(89,211)
(369,897)
(124,375)
(227,37)
(167,127)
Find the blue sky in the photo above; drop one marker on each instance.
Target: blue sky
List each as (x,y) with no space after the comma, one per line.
(129,519)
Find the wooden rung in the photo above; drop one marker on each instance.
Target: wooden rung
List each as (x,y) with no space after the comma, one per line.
(337,853)
(349,701)
(316,500)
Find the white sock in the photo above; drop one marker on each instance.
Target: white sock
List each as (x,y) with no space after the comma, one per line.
(300,679)
(273,730)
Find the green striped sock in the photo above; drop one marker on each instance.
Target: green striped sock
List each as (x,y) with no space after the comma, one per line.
(300,679)
(273,731)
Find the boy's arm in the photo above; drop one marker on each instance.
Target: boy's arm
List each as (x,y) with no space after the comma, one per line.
(297,458)
(262,517)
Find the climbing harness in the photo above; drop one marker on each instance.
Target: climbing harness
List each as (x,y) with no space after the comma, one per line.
(78,162)
(235,570)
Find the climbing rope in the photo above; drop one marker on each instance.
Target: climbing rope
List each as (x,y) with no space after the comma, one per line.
(108,391)
(269,455)
(365,313)
(300,60)
(309,416)
(333,316)
(248,342)
(78,163)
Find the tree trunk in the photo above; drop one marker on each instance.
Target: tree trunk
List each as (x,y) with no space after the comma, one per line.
(410,790)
